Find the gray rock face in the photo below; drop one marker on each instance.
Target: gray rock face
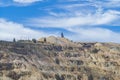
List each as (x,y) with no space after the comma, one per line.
(45,61)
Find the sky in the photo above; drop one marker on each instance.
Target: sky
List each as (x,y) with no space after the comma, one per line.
(79,20)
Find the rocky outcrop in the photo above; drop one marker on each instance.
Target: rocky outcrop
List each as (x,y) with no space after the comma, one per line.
(48,61)
(58,41)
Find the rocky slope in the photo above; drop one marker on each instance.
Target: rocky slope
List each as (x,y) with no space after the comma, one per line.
(59,59)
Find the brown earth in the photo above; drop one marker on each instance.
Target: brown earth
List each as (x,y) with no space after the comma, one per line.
(59,59)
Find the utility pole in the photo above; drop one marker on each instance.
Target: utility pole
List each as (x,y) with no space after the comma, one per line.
(62,35)
(14,40)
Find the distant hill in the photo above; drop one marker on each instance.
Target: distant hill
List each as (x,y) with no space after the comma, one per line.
(59,59)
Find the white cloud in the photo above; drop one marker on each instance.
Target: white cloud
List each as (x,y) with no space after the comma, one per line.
(26,1)
(10,30)
(106,3)
(77,16)
(21,3)
(78,23)
(95,35)
(73,17)
(98,18)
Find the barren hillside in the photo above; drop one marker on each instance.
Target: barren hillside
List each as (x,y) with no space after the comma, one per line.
(59,59)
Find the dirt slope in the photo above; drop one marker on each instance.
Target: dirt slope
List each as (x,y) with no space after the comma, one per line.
(63,60)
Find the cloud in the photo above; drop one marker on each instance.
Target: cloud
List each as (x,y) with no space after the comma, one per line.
(94,35)
(99,18)
(82,13)
(71,16)
(76,17)
(26,1)
(78,24)
(20,3)
(10,30)
(107,3)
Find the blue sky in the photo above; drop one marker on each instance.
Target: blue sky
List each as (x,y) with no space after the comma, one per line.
(79,20)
